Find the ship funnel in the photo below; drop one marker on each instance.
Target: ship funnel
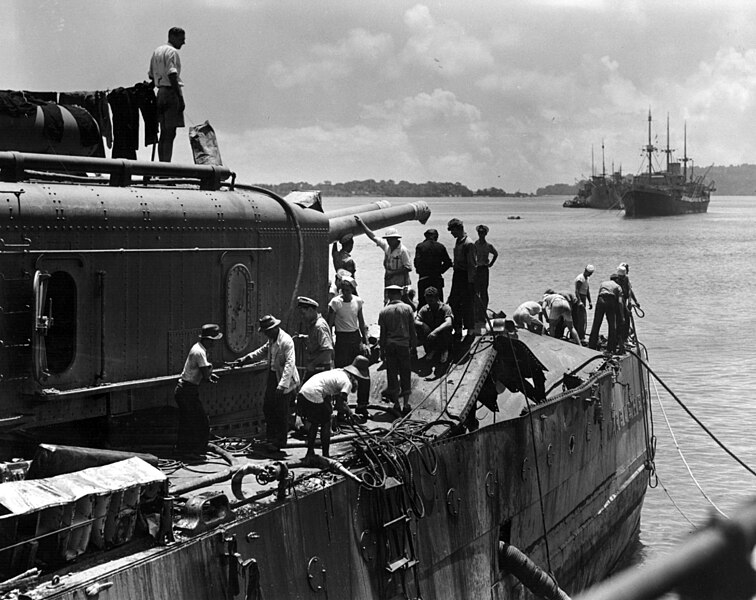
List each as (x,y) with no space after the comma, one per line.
(378,218)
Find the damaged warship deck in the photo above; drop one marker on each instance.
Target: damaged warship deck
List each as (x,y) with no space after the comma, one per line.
(433,504)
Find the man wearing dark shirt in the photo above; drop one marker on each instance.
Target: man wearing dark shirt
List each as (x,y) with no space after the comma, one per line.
(431,262)
(462,295)
(398,342)
(608,303)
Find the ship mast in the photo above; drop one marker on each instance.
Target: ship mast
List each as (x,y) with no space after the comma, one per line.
(685,159)
(593,169)
(603,161)
(649,147)
(668,150)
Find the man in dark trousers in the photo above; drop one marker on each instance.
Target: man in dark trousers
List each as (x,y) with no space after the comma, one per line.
(462,295)
(165,73)
(398,343)
(323,392)
(608,303)
(431,262)
(194,426)
(283,380)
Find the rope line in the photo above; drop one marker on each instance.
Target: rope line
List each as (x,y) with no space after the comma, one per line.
(694,417)
(682,457)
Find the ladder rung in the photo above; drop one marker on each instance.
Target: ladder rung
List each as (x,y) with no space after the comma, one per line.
(399,519)
(397,564)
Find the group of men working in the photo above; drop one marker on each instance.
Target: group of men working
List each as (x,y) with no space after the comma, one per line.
(566,310)
(337,365)
(337,346)
(312,396)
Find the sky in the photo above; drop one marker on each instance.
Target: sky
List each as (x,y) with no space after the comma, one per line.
(513,94)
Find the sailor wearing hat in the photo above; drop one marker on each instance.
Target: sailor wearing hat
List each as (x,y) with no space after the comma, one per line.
(629,301)
(398,343)
(324,391)
(583,292)
(396,260)
(283,379)
(194,426)
(318,336)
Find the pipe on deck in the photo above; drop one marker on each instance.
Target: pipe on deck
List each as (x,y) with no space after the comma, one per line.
(378,219)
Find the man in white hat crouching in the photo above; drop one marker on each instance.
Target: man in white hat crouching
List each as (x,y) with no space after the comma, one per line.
(325,391)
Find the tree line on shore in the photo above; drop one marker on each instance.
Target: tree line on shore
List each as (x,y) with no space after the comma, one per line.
(390,189)
(733,180)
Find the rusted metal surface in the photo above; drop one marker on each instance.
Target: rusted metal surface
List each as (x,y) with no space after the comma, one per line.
(328,539)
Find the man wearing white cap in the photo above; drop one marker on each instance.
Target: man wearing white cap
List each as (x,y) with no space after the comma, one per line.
(396,261)
(583,292)
(629,300)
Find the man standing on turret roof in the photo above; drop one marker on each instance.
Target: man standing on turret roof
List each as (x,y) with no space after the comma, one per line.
(165,74)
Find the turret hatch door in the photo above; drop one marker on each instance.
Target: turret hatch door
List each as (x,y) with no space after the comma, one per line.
(43,320)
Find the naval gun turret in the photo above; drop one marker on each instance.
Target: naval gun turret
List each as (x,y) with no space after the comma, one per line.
(106,280)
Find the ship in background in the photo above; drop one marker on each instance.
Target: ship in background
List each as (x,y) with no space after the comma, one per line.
(673,191)
(600,191)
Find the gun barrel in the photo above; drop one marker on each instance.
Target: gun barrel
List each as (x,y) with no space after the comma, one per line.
(378,219)
(358,210)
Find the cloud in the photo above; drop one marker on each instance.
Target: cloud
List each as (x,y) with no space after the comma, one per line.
(323,152)
(443,48)
(439,107)
(359,50)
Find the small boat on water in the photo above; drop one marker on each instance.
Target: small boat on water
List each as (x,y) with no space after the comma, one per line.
(668,192)
(600,191)
(519,472)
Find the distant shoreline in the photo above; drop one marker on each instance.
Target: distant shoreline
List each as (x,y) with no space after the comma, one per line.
(733,180)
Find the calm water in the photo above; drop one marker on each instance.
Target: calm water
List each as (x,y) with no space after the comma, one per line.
(690,274)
